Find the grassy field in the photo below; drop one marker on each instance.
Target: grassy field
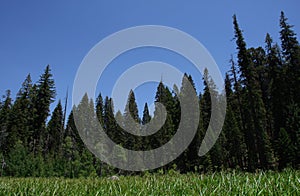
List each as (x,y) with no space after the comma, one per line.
(221,183)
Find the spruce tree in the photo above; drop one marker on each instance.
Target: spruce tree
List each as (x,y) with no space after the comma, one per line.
(165,133)
(257,137)
(99,108)
(132,124)
(210,95)
(291,69)
(205,161)
(276,99)
(146,145)
(45,94)
(108,118)
(146,116)
(235,146)
(190,158)
(72,132)
(110,127)
(291,54)
(4,122)
(21,117)
(237,96)
(72,148)
(55,131)
(131,121)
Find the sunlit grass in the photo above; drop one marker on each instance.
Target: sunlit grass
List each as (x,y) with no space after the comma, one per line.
(219,183)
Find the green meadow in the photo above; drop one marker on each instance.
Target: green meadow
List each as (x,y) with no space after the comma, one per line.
(286,182)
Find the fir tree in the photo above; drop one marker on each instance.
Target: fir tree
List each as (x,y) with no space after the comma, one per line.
(72,132)
(256,137)
(291,54)
(45,94)
(4,122)
(235,145)
(99,108)
(146,116)
(276,99)
(21,116)
(146,125)
(55,130)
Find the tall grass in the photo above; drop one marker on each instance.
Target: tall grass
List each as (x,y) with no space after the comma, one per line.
(220,183)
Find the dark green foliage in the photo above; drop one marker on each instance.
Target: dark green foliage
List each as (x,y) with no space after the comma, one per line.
(293,129)
(99,108)
(72,134)
(286,152)
(6,134)
(18,161)
(235,147)
(258,143)
(146,116)
(109,118)
(218,153)
(261,128)
(276,99)
(164,96)
(131,122)
(44,94)
(291,55)
(55,131)
(20,115)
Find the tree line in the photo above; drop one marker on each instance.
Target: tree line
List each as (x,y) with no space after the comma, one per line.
(261,128)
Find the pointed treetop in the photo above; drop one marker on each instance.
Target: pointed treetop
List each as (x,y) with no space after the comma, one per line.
(288,37)
(146,115)
(268,41)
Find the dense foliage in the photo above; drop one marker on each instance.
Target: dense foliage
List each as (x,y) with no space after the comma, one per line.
(261,129)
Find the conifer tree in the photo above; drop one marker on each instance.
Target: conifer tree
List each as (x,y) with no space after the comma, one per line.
(72,132)
(293,127)
(190,156)
(72,148)
(4,122)
(205,112)
(145,120)
(291,69)
(99,108)
(276,99)
(146,126)
(108,118)
(45,94)
(19,117)
(132,123)
(236,100)
(146,116)
(257,138)
(291,54)
(235,145)
(55,131)
(164,134)
(210,95)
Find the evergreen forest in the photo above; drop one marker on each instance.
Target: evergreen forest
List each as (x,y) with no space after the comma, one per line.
(261,130)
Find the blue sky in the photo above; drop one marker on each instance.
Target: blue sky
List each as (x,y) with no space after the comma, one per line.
(60,33)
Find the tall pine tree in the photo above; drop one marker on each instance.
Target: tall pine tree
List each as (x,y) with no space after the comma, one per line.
(257,138)
(45,94)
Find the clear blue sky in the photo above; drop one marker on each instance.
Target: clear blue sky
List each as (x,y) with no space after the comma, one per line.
(60,33)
